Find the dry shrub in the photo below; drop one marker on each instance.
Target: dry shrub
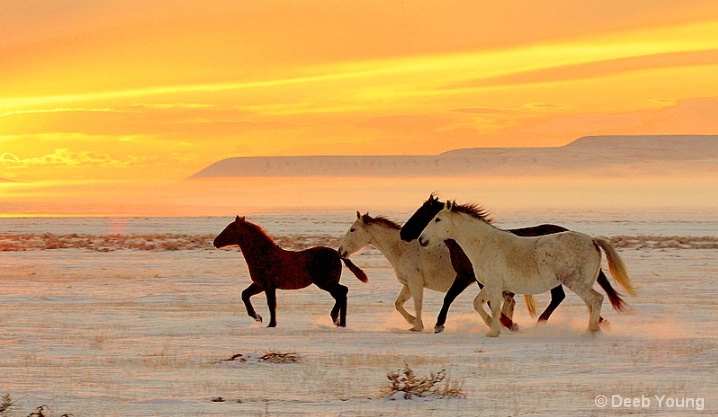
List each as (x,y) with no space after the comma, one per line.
(269,357)
(406,384)
(5,403)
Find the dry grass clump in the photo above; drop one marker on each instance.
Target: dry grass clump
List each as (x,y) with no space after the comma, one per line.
(404,383)
(664,242)
(173,242)
(5,403)
(142,242)
(277,357)
(8,405)
(269,357)
(105,243)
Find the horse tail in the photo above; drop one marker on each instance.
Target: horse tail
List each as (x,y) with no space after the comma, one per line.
(356,270)
(614,296)
(530,304)
(616,266)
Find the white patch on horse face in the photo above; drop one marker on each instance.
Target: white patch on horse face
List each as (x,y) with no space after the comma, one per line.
(355,239)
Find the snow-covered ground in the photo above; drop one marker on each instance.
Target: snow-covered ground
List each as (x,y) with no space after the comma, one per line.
(148,333)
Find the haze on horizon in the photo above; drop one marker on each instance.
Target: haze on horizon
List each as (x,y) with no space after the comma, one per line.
(102,104)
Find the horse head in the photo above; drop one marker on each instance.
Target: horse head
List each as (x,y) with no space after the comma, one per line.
(356,237)
(230,234)
(418,221)
(439,228)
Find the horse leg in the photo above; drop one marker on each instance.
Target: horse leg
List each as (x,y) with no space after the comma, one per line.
(272,303)
(593,300)
(495,296)
(339,293)
(557,296)
(479,306)
(404,295)
(460,284)
(253,289)
(507,311)
(417,291)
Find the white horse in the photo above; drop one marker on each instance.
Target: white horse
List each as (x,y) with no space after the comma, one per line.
(414,267)
(525,265)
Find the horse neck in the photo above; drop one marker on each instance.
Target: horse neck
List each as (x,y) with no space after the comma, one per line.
(387,241)
(255,244)
(471,232)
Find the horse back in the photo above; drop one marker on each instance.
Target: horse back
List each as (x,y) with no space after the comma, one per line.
(300,269)
(568,251)
(540,230)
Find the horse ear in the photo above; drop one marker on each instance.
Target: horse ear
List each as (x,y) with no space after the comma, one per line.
(358,215)
(239,219)
(448,205)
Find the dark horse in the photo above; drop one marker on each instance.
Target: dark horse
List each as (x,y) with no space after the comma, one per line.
(272,268)
(465,272)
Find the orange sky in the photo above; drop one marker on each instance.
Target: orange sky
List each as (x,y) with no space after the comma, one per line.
(111,94)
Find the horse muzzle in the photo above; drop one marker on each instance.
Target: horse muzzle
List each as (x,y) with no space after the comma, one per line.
(423,242)
(342,253)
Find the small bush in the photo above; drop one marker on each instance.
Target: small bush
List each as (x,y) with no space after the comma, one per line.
(405,384)
(5,403)
(270,357)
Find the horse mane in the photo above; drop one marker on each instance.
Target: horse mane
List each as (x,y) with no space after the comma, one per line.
(473,210)
(259,231)
(381,220)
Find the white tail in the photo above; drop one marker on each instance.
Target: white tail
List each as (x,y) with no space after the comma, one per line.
(530,305)
(616,266)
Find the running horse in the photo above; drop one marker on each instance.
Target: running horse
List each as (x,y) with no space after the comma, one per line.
(272,268)
(525,265)
(465,272)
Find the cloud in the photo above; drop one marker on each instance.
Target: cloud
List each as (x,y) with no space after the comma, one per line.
(58,110)
(67,158)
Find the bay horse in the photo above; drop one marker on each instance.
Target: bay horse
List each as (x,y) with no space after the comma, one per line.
(525,265)
(415,268)
(465,272)
(272,268)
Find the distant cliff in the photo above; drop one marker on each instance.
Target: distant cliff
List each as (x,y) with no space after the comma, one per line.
(588,154)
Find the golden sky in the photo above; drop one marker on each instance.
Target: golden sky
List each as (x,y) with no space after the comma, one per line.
(122,92)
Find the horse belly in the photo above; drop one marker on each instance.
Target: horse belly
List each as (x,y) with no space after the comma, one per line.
(527,272)
(291,273)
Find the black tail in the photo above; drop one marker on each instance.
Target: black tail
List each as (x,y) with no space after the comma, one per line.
(615,298)
(356,270)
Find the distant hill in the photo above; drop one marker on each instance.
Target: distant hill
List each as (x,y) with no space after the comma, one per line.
(594,154)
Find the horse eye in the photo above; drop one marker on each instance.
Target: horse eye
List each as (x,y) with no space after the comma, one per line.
(437,220)
(352,230)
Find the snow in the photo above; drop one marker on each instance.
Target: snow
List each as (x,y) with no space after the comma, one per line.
(148,333)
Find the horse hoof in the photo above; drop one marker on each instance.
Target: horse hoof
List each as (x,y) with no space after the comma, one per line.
(514,327)
(272,325)
(438,329)
(258,318)
(493,334)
